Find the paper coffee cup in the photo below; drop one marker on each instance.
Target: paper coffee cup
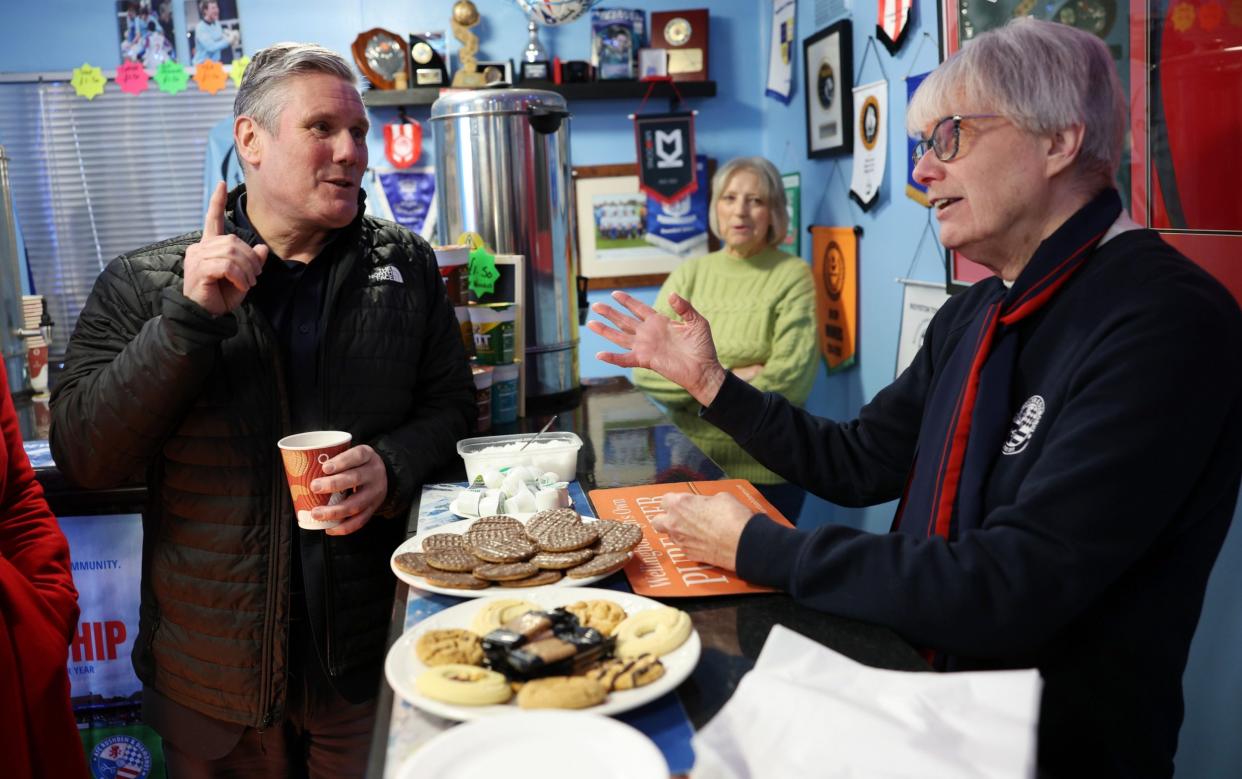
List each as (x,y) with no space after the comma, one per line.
(36,363)
(304,455)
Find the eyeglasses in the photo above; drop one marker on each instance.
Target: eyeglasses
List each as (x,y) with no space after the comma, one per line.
(945,136)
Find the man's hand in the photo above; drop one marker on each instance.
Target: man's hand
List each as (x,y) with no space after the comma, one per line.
(682,352)
(221,268)
(708,529)
(359,469)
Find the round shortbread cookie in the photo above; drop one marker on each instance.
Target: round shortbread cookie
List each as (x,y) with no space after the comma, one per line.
(656,632)
(538,580)
(459,560)
(505,572)
(502,549)
(564,536)
(552,516)
(449,646)
(603,615)
(495,613)
(413,562)
(600,565)
(496,522)
(561,692)
(617,536)
(626,673)
(464,685)
(443,541)
(559,561)
(456,581)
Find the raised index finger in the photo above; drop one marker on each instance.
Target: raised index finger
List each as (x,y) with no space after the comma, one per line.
(213,224)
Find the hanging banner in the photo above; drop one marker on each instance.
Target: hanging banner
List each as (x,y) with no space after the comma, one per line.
(914,190)
(411,198)
(792,182)
(107,567)
(780,55)
(403,143)
(666,155)
(681,227)
(920,300)
(835,251)
(871,152)
(891,23)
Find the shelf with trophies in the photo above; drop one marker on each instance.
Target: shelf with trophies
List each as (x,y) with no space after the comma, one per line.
(625,62)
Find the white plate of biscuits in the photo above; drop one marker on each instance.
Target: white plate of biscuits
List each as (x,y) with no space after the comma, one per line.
(437,665)
(477,558)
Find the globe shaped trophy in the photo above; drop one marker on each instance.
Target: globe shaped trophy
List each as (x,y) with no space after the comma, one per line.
(536,65)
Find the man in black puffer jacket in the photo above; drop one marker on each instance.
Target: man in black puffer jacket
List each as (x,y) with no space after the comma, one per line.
(260,644)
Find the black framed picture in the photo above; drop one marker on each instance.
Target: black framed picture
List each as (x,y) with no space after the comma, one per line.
(828,58)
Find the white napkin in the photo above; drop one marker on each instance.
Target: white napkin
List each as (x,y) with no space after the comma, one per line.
(806,710)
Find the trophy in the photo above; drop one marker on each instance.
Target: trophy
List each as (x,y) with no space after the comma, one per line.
(536,64)
(465,16)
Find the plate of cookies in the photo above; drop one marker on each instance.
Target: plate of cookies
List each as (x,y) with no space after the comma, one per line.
(496,554)
(589,649)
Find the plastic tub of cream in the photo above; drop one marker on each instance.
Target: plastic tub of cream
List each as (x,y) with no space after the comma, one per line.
(555,452)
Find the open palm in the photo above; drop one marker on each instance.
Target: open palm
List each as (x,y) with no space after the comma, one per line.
(682,352)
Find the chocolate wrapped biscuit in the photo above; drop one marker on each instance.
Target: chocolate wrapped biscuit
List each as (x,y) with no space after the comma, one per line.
(570,649)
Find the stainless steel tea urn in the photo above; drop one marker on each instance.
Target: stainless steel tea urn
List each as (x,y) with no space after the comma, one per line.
(503,171)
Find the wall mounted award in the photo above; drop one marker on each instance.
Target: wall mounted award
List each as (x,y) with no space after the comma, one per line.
(428,63)
(683,34)
(380,55)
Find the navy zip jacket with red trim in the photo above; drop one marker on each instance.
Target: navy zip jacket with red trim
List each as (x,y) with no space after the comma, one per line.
(1102,514)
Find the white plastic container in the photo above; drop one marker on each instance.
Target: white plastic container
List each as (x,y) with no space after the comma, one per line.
(556,452)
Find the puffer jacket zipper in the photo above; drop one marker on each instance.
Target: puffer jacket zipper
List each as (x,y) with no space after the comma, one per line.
(329,570)
(265,337)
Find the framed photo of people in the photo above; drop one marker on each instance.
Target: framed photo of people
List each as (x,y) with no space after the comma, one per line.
(828,59)
(627,238)
(1178,174)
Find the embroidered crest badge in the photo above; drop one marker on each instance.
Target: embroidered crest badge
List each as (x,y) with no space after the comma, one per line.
(1024,424)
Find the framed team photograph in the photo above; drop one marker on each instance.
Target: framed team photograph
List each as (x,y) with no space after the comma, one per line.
(828,57)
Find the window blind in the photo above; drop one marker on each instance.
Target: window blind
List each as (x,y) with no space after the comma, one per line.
(93,179)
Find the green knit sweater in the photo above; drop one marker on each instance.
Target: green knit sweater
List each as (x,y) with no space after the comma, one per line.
(762,310)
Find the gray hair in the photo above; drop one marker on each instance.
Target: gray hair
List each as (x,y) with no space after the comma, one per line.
(773,194)
(261,95)
(1042,76)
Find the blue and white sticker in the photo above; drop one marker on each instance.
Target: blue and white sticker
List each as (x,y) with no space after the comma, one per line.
(121,757)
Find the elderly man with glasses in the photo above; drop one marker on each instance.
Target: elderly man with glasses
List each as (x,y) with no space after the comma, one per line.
(1066,445)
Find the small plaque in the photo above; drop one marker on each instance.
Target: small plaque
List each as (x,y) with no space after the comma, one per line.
(536,71)
(427,58)
(496,72)
(683,35)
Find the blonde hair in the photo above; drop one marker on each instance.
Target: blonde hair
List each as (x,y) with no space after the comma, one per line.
(773,194)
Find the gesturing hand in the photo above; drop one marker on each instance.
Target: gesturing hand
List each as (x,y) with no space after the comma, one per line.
(221,268)
(707,529)
(359,469)
(682,352)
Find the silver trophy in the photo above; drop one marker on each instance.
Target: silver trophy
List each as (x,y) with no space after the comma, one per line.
(548,13)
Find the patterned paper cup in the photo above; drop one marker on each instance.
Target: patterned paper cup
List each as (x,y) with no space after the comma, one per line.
(304,455)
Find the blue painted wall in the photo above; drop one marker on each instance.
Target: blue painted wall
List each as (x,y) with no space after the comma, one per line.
(740,121)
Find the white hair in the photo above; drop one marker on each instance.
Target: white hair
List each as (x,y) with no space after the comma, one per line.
(1042,76)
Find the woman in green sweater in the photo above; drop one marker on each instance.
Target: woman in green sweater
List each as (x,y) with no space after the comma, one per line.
(760,303)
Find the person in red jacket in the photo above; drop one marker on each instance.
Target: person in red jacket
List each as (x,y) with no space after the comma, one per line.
(38,615)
